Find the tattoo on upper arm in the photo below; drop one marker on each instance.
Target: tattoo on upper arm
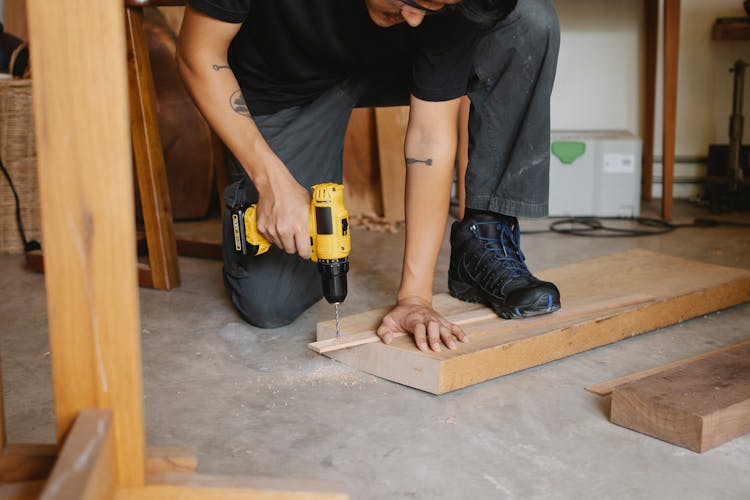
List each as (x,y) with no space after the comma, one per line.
(427,161)
(238,104)
(217,67)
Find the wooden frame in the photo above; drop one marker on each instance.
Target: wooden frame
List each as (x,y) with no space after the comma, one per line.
(85,176)
(671,24)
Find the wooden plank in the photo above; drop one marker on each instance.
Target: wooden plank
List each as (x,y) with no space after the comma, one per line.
(361,171)
(85,469)
(210,487)
(25,490)
(606,388)
(681,289)
(391,126)
(86,187)
(149,158)
(697,405)
(484,314)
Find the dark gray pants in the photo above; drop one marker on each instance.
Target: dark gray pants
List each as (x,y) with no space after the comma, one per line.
(508,168)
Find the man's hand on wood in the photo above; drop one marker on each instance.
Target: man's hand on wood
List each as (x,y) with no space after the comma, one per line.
(431,331)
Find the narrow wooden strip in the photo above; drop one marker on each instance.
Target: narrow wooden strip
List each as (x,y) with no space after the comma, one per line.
(78,53)
(25,490)
(369,320)
(211,487)
(698,405)
(470,317)
(85,469)
(605,388)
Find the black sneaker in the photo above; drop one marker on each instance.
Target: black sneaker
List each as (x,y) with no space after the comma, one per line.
(487,266)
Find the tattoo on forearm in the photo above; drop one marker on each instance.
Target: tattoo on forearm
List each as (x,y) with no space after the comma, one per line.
(238,104)
(217,67)
(410,161)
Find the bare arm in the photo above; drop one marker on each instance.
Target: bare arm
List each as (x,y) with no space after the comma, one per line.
(430,150)
(283,207)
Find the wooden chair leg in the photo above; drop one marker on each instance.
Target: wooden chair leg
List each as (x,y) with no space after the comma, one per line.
(149,158)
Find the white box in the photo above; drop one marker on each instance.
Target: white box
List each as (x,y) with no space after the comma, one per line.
(595,173)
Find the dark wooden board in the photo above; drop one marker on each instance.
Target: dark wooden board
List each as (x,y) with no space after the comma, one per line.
(697,405)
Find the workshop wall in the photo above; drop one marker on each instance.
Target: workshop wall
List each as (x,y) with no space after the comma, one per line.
(600,77)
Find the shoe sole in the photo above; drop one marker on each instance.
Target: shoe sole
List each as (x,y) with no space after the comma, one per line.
(544,304)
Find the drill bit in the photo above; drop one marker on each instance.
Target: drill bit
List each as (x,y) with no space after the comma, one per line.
(338,329)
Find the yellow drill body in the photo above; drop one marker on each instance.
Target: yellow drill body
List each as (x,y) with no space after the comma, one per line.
(330,240)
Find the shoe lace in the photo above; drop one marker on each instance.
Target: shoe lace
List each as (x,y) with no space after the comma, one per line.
(504,256)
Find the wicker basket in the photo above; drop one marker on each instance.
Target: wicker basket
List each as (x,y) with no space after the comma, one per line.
(18,152)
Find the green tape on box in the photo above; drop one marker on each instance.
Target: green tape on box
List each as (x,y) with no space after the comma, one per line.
(568,151)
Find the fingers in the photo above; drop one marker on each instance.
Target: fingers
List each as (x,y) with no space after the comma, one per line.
(458,333)
(385,334)
(434,335)
(420,337)
(302,242)
(291,241)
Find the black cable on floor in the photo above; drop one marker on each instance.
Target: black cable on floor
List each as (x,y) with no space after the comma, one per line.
(27,245)
(594,228)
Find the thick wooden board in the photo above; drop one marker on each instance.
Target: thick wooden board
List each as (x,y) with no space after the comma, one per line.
(679,289)
(85,469)
(606,388)
(78,53)
(698,405)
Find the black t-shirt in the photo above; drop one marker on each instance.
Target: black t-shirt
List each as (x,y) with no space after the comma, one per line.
(288,52)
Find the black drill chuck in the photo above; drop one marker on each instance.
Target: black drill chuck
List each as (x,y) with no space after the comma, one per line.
(333,277)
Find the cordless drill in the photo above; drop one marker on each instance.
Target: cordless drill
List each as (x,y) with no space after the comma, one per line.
(329,238)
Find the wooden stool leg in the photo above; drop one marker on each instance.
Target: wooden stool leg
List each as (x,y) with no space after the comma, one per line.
(149,158)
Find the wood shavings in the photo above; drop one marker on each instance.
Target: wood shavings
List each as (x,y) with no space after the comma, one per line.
(374,222)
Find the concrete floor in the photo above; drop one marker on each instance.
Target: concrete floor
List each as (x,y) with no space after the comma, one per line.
(260,403)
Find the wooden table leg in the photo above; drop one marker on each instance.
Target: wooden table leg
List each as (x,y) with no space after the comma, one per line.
(86,187)
(671,54)
(149,158)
